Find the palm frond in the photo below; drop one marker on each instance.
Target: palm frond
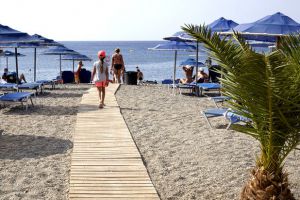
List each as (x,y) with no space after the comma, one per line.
(265,88)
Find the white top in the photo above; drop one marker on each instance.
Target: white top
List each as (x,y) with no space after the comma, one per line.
(100,76)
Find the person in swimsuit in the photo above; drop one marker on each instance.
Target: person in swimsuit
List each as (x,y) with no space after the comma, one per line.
(140,75)
(77,73)
(11,77)
(188,70)
(117,65)
(100,76)
(202,76)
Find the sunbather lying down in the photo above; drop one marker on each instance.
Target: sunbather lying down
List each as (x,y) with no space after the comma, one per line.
(188,70)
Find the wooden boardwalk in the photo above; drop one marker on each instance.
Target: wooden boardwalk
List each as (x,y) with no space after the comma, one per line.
(105,161)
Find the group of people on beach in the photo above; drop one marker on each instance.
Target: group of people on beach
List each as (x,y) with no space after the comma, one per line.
(100,74)
(202,76)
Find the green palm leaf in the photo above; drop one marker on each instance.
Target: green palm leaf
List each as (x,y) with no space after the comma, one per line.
(265,88)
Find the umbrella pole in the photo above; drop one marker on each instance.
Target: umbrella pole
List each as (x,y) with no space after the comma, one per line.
(17,67)
(174,73)
(73,66)
(197,58)
(34,66)
(60,65)
(7,62)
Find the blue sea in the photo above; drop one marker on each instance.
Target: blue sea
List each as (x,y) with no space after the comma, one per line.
(155,65)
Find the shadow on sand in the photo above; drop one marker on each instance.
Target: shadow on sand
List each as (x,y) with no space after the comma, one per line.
(16,147)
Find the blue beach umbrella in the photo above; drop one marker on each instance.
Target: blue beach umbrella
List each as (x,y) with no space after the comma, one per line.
(44,42)
(11,38)
(6,54)
(222,24)
(174,46)
(269,28)
(192,62)
(78,57)
(218,25)
(59,50)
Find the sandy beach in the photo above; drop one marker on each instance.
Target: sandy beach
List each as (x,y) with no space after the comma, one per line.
(36,145)
(184,158)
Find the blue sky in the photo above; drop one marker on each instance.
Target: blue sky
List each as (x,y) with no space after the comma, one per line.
(110,20)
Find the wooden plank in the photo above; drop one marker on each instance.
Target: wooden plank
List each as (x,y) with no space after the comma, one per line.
(105,161)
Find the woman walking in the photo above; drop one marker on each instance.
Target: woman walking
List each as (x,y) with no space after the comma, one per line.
(100,76)
(117,65)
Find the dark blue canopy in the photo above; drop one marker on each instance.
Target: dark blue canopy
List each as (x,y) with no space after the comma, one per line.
(45,41)
(59,50)
(222,24)
(10,54)
(218,25)
(75,57)
(192,62)
(11,38)
(174,45)
(269,27)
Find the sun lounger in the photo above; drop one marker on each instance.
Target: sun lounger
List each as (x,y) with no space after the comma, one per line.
(47,82)
(198,88)
(225,112)
(208,86)
(8,86)
(219,99)
(18,97)
(31,86)
(169,83)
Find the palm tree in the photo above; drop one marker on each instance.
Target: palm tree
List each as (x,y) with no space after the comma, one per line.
(266,89)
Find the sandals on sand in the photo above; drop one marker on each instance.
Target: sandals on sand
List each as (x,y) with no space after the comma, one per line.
(100,105)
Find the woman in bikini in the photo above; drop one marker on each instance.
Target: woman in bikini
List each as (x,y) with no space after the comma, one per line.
(117,65)
(100,76)
(188,71)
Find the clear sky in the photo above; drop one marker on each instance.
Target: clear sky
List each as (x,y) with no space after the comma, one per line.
(110,20)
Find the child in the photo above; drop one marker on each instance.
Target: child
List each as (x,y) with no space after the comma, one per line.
(100,76)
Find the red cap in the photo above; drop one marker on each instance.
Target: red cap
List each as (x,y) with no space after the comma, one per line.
(101,53)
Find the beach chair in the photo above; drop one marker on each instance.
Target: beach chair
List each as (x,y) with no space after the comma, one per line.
(21,97)
(31,86)
(208,87)
(47,82)
(169,83)
(8,86)
(224,112)
(219,100)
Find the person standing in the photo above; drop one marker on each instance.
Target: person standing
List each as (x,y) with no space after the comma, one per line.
(77,73)
(100,76)
(140,75)
(117,65)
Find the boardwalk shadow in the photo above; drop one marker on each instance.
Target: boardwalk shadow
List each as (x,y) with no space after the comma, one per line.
(16,147)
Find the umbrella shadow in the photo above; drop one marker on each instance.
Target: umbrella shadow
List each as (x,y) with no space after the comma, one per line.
(43,110)
(17,147)
(60,95)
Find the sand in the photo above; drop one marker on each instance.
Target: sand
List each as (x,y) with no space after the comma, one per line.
(184,158)
(36,145)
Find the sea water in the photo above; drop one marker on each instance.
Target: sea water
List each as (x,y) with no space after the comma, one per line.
(155,65)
